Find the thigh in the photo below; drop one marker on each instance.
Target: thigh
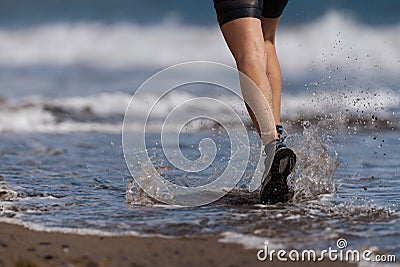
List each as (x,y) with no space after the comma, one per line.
(245,39)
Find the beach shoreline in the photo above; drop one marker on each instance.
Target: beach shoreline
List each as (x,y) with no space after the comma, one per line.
(20,246)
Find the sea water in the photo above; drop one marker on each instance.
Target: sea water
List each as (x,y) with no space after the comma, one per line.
(66,79)
(78,182)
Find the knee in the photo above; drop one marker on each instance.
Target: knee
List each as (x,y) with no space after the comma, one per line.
(251,58)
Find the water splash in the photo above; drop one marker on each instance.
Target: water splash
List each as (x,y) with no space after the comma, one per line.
(316,165)
(313,176)
(136,196)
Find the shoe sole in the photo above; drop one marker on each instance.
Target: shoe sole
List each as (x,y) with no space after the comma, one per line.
(276,189)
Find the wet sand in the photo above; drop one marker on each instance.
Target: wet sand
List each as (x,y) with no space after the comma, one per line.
(22,247)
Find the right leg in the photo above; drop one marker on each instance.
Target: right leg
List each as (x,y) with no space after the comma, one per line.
(274,187)
(271,14)
(269,26)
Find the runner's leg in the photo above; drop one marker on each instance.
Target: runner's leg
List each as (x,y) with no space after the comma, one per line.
(273,71)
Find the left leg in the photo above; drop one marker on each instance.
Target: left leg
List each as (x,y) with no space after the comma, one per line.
(274,186)
(271,14)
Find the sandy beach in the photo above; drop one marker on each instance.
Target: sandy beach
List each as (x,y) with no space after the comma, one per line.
(22,247)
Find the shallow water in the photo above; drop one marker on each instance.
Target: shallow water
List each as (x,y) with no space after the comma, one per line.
(79,182)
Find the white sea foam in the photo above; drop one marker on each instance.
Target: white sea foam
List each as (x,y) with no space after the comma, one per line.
(248,241)
(8,194)
(104,112)
(77,231)
(334,40)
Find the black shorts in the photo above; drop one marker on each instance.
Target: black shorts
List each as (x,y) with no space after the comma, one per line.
(228,10)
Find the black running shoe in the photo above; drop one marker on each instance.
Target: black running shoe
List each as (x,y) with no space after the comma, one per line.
(274,187)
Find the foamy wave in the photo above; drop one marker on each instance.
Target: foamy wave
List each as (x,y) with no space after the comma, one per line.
(108,46)
(104,112)
(100,113)
(334,40)
(249,241)
(77,231)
